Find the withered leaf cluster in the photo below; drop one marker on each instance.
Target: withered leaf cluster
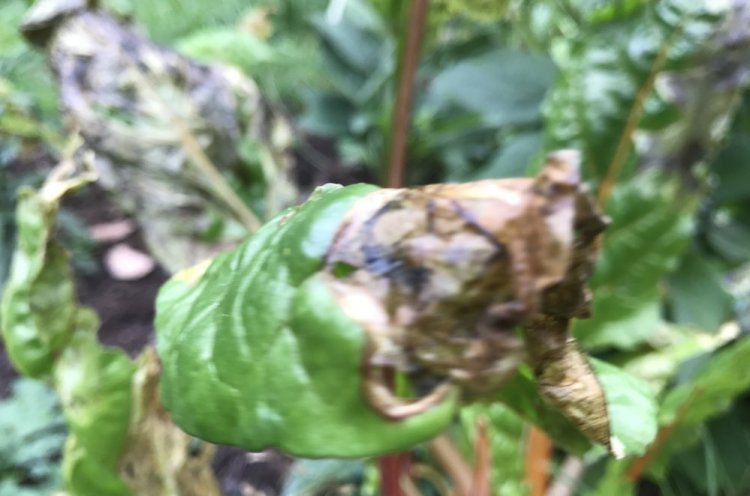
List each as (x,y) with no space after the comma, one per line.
(165,132)
(456,285)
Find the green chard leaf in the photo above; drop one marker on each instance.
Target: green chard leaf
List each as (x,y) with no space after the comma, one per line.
(608,73)
(707,387)
(257,353)
(651,226)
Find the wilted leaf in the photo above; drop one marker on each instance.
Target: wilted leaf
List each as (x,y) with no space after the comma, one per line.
(158,458)
(428,281)
(38,306)
(259,343)
(95,389)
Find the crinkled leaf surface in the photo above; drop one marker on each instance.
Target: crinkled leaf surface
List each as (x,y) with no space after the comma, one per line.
(38,302)
(256,353)
(631,409)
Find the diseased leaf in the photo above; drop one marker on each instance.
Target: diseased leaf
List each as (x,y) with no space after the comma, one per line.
(167,133)
(522,396)
(95,389)
(104,452)
(430,282)
(38,307)
(259,343)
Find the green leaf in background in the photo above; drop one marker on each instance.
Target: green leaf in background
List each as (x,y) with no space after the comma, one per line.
(613,481)
(95,389)
(731,239)
(359,51)
(257,353)
(506,435)
(696,295)
(718,465)
(731,169)
(513,158)
(632,407)
(313,477)
(32,434)
(505,87)
(651,226)
(703,392)
(607,75)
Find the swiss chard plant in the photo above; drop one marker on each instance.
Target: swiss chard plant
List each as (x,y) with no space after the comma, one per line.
(602,299)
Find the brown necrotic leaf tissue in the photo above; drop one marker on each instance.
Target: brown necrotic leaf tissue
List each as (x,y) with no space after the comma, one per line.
(457,284)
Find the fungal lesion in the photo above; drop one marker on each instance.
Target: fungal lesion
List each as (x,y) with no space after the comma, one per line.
(456,285)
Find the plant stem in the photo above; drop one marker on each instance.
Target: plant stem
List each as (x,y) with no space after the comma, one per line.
(453,462)
(482,460)
(393,467)
(538,454)
(402,108)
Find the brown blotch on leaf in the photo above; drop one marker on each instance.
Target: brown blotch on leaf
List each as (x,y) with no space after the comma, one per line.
(442,277)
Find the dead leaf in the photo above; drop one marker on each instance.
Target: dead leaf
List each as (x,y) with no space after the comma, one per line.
(441,277)
(159,458)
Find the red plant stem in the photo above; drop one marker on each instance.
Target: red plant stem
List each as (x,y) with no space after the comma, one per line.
(402,107)
(394,467)
(482,460)
(538,454)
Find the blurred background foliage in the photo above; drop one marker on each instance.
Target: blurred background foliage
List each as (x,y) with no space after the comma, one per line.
(655,96)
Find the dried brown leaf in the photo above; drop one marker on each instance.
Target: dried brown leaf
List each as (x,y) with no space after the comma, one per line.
(441,277)
(159,458)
